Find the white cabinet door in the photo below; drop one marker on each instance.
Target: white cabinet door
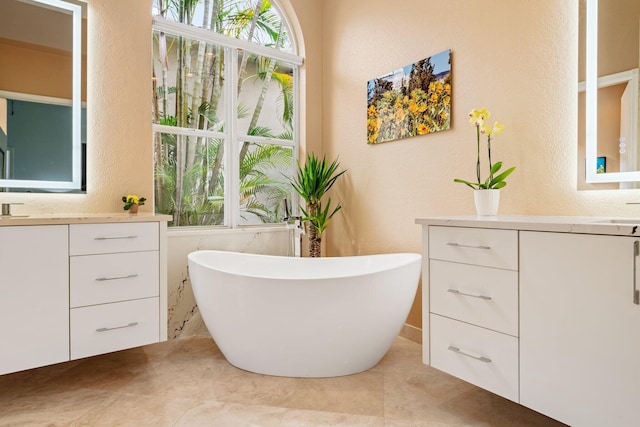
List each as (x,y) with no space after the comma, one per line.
(34,296)
(579,328)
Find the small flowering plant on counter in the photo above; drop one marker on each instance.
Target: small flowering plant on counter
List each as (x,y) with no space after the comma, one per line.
(494,181)
(132,199)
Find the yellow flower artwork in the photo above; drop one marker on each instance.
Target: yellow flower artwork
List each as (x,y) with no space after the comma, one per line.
(410,101)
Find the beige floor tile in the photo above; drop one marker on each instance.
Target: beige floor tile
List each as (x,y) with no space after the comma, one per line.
(178,350)
(417,397)
(173,381)
(427,423)
(302,418)
(359,394)
(404,356)
(17,383)
(433,398)
(137,411)
(107,372)
(213,414)
(188,382)
(237,386)
(51,407)
(479,408)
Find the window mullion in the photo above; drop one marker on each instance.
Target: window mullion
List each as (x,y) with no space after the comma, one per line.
(162,24)
(187,131)
(266,140)
(232,184)
(295,198)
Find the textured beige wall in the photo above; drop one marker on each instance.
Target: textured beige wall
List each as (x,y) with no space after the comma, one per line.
(517,59)
(119,105)
(307,24)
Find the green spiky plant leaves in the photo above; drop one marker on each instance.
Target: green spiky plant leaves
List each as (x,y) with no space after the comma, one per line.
(313,180)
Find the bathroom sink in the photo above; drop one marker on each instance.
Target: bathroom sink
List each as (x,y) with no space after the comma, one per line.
(619,221)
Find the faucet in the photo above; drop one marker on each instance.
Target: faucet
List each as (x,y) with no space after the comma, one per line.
(293,224)
(6,208)
(288,218)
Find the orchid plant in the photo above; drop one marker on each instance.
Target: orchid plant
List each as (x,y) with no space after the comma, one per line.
(495,181)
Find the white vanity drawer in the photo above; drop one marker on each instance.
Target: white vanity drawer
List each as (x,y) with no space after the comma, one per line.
(482,357)
(482,296)
(110,327)
(87,239)
(99,279)
(479,246)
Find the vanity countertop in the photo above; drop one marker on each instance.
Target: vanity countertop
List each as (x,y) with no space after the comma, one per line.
(558,224)
(84,218)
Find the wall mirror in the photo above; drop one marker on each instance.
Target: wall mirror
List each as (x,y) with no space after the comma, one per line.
(609,94)
(42,124)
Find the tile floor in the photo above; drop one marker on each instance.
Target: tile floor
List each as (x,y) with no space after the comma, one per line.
(187,382)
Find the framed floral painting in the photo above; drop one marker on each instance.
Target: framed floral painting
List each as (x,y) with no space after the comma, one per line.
(412,100)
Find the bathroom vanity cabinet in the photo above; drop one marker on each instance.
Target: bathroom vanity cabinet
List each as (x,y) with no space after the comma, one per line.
(77,287)
(540,310)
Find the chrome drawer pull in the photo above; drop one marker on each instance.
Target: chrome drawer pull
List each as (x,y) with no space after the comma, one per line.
(116,238)
(473,356)
(457,292)
(117,327)
(104,279)
(468,246)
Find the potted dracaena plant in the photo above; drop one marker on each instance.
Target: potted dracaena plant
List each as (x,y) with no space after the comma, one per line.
(486,194)
(313,179)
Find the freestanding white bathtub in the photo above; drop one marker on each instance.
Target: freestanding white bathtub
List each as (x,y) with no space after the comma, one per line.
(304,317)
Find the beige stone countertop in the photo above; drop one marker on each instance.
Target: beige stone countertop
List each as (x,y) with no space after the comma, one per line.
(614,226)
(84,218)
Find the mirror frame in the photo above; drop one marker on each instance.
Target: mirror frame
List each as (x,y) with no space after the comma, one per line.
(76,176)
(591,100)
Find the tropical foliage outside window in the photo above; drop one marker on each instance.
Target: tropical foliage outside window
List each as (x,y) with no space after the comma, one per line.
(225,129)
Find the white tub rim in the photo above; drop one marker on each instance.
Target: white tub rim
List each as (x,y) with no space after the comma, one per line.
(406,257)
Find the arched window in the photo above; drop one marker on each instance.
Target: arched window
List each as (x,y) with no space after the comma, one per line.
(225,116)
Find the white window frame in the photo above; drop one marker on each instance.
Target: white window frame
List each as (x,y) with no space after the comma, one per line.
(231,136)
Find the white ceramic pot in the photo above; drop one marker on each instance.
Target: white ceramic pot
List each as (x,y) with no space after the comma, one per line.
(487,202)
